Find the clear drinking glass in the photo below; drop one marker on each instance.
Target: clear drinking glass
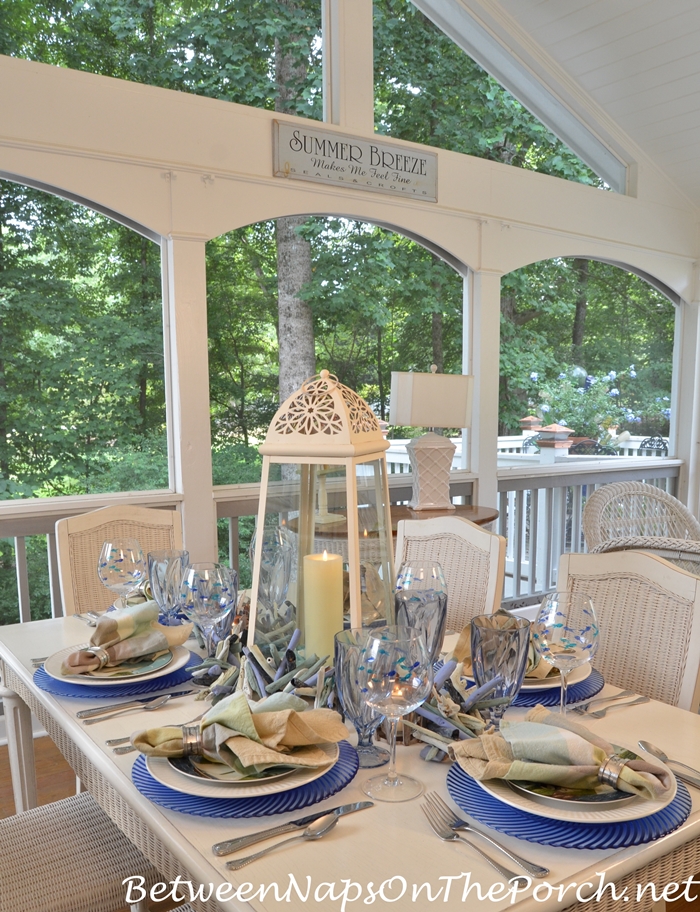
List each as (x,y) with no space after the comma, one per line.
(349,644)
(499,646)
(165,572)
(566,633)
(121,567)
(420,602)
(207,595)
(395,676)
(276,558)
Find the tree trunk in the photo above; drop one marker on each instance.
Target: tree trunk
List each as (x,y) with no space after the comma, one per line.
(380,376)
(297,353)
(438,353)
(581,269)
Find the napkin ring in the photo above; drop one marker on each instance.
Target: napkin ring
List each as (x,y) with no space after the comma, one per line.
(100,654)
(192,740)
(610,770)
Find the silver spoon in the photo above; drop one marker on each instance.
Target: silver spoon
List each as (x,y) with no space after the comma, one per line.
(314,830)
(149,707)
(660,755)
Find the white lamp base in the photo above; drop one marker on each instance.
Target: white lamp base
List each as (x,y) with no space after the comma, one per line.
(431,460)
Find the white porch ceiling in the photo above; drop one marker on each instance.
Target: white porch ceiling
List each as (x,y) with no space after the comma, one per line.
(636,60)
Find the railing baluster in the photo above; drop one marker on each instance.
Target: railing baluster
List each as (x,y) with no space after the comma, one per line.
(233,543)
(576,494)
(54,579)
(25,613)
(518,539)
(534,538)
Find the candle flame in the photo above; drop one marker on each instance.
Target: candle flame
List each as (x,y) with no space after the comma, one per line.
(325,555)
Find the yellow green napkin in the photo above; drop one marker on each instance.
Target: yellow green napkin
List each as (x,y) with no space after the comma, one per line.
(128,634)
(252,737)
(536,668)
(552,749)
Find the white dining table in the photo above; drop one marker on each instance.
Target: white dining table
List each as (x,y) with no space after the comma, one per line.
(388,851)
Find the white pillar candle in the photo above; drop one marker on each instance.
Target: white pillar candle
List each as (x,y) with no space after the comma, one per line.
(323,602)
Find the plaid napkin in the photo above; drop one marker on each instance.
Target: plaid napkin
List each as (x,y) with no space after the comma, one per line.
(549,748)
(126,635)
(252,738)
(536,668)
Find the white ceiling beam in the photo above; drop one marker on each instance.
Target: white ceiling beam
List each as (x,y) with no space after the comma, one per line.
(504,63)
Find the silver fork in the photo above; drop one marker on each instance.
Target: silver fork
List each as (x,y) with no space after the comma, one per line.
(450,819)
(600,713)
(448,835)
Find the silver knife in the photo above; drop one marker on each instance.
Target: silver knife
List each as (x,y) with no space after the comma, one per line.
(685,777)
(131,704)
(233,845)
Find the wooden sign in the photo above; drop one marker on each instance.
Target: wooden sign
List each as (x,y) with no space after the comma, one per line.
(315,154)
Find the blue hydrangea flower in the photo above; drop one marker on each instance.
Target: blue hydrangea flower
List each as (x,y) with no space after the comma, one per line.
(561,377)
(666,412)
(612,375)
(632,372)
(534,376)
(545,408)
(638,419)
(614,392)
(582,389)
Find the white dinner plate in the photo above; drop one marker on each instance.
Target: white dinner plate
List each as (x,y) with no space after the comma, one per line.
(161,770)
(220,772)
(52,667)
(577,675)
(643,807)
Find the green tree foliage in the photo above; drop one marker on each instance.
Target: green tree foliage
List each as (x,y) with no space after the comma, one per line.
(427,90)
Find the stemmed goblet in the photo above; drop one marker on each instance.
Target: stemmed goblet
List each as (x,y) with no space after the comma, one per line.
(165,572)
(395,676)
(499,648)
(349,645)
(420,601)
(121,567)
(565,633)
(207,595)
(276,555)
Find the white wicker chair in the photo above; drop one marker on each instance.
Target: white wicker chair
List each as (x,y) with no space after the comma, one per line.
(649,615)
(79,540)
(67,857)
(472,558)
(632,508)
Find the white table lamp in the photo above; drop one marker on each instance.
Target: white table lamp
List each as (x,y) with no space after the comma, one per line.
(431,400)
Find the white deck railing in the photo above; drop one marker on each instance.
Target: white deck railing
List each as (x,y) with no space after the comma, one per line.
(541,506)
(540,513)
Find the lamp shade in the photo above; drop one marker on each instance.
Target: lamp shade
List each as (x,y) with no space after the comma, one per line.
(431,400)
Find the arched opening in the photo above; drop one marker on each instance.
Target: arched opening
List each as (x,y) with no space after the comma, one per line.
(82,394)
(369,299)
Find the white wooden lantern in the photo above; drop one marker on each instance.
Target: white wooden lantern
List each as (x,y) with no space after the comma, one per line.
(324,482)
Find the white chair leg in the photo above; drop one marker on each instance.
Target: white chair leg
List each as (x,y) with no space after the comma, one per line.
(139,906)
(20,747)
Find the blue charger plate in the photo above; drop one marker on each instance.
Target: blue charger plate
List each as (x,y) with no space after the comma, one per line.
(134,689)
(341,774)
(473,800)
(584,690)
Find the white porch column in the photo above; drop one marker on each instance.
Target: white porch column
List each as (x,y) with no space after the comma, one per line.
(187,390)
(348,64)
(685,401)
(484,334)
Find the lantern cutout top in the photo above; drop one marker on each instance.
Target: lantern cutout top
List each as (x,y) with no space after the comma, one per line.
(324,418)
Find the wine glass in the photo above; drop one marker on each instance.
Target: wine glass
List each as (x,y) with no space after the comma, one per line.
(348,647)
(207,595)
(499,647)
(121,567)
(395,676)
(420,602)
(165,571)
(565,633)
